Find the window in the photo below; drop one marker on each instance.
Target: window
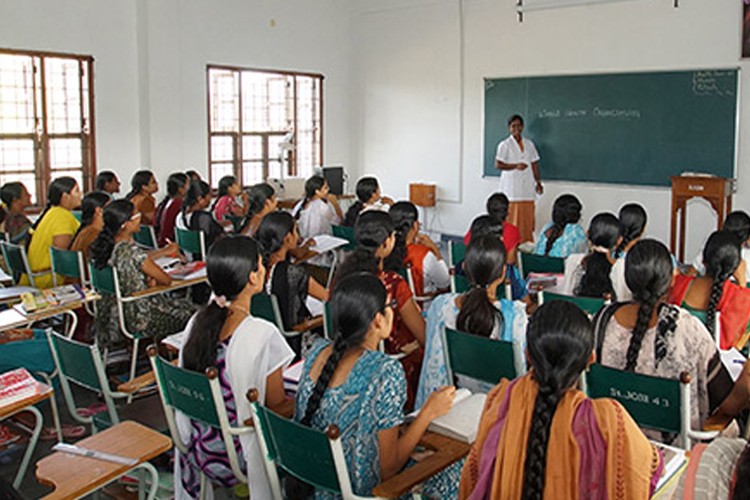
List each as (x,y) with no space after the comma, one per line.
(262,121)
(46,120)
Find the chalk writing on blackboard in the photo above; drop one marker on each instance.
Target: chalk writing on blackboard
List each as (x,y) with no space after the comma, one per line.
(712,83)
(596,112)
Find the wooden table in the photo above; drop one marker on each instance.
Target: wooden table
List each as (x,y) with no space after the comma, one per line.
(74,476)
(715,190)
(175,285)
(27,404)
(446,452)
(11,318)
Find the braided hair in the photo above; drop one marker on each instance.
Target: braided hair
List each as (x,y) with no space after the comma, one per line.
(312,186)
(560,341)
(404,215)
(648,274)
(566,210)
(175,182)
(721,256)
(603,233)
(55,192)
(229,262)
(484,264)
(116,214)
(633,220)
(372,229)
(355,302)
(366,187)
(140,179)
(271,233)
(484,225)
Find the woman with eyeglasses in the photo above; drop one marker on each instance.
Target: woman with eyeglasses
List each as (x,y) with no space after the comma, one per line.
(154,316)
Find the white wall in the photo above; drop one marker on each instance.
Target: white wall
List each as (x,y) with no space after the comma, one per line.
(409,72)
(105,30)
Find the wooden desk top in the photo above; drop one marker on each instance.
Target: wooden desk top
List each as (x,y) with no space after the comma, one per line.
(73,476)
(44,393)
(11,318)
(176,285)
(447,451)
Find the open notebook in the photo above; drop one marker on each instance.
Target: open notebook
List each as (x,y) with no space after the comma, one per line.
(462,422)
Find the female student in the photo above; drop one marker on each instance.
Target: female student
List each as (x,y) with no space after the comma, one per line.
(55,226)
(540,437)
(717,470)
(652,337)
(716,292)
(155,316)
(169,208)
(92,222)
(249,353)
(368,198)
(16,199)
(227,199)
(261,200)
(633,219)
(363,391)
(319,210)
(564,235)
(478,311)
(375,237)
(195,217)
(737,223)
(290,283)
(143,186)
(497,208)
(417,251)
(107,182)
(588,275)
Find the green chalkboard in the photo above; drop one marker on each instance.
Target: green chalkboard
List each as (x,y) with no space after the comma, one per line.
(628,128)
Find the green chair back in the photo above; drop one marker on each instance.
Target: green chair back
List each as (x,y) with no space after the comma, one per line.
(103,280)
(77,214)
(589,304)
(262,307)
(347,233)
(15,259)
(532,263)
(698,313)
(301,451)
(75,361)
(236,221)
(146,236)
(190,241)
(187,391)
(456,252)
(653,402)
(478,357)
(327,320)
(66,263)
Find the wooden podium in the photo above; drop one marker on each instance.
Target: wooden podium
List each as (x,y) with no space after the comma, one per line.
(715,190)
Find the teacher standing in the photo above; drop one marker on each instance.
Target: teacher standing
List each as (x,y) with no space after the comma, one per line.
(518,160)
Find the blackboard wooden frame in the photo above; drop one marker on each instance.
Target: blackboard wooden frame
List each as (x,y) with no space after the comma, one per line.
(696,109)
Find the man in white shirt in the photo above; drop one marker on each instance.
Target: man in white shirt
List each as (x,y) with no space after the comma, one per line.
(514,156)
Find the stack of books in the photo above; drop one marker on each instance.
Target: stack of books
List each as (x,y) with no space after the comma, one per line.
(17,385)
(38,300)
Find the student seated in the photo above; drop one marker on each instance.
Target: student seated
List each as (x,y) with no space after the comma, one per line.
(497,209)
(418,251)
(319,209)
(155,316)
(261,201)
(170,207)
(477,311)
(652,337)
(375,237)
(717,470)
(143,186)
(228,200)
(107,182)
(564,235)
(368,198)
(588,275)
(290,283)
(737,223)
(55,226)
(195,217)
(248,352)
(92,222)
(350,383)
(16,199)
(716,292)
(540,437)
(633,219)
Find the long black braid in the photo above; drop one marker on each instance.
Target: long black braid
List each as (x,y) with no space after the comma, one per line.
(633,220)
(566,210)
(721,256)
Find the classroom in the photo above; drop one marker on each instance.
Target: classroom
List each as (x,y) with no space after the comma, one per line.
(402,88)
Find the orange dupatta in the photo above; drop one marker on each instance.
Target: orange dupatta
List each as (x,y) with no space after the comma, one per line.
(631,461)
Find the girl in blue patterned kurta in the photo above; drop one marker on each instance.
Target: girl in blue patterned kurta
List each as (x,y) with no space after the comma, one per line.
(564,235)
(477,311)
(361,390)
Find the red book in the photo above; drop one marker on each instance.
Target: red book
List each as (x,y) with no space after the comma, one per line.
(16,385)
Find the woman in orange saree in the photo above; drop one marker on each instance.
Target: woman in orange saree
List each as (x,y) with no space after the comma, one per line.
(540,437)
